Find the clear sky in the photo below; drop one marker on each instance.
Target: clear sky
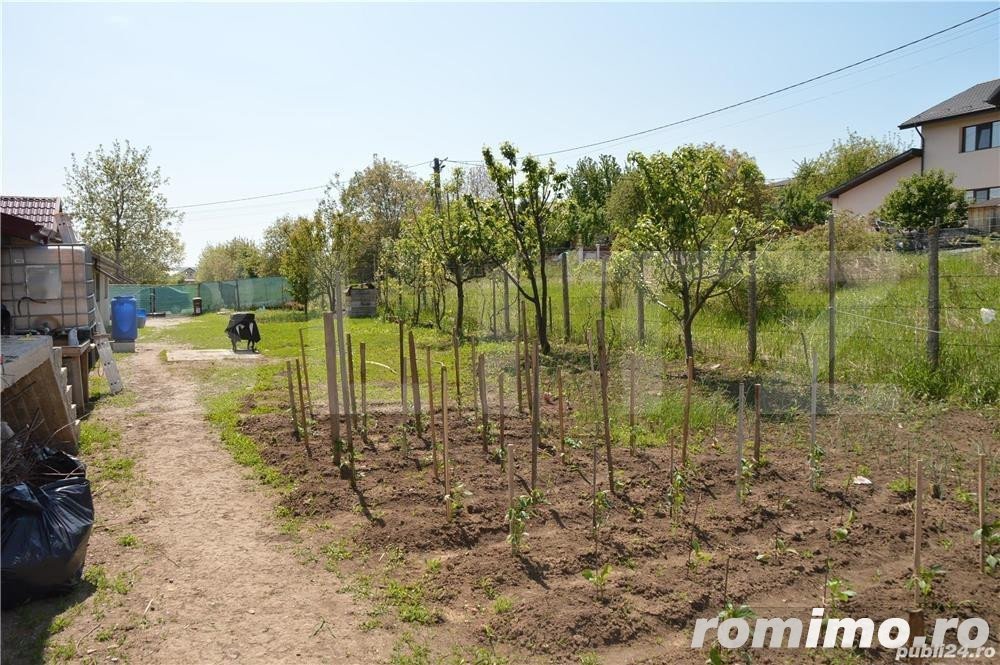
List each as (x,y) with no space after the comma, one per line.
(244,99)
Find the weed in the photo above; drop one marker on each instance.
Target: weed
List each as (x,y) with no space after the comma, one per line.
(62,651)
(502,605)
(117,469)
(589,659)
(128,540)
(902,486)
(432,566)
(336,552)
(966,498)
(697,556)
(676,492)
(457,496)
(409,601)
(407,651)
(488,587)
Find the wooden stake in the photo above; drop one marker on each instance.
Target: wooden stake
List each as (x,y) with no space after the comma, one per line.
(506,305)
(562,417)
(536,424)
(631,405)
(430,411)
(444,440)
(484,402)
(350,382)
(406,442)
(982,512)
(565,296)
(740,439)
(528,373)
(458,372)
(604,283)
(493,318)
(602,355)
(402,368)
(345,388)
(756,427)
(918,529)
(687,410)
(331,385)
(812,401)
(291,399)
(415,379)
(364,392)
(302,408)
(510,478)
(517,371)
(502,415)
(474,372)
(305,370)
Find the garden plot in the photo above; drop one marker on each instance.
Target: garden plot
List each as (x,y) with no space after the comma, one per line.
(665,551)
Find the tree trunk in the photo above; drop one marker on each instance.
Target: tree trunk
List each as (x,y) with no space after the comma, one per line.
(686,325)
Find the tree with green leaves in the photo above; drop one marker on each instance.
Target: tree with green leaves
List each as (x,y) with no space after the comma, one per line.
(381,196)
(116,195)
(301,258)
(925,200)
(798,203)
(700,209)
(239,258)
(518,223)
(590,185)
(447,244)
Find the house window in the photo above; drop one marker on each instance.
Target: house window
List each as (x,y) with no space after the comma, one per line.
(983,194)
(981,137)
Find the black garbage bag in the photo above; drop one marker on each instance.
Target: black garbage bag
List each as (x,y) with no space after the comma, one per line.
(243,326)
(46,526)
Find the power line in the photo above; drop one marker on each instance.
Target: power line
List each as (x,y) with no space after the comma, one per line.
(267,196)
(248,198)
(771,93)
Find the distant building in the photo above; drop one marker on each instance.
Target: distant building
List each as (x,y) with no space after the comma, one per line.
(961,135)
(189,274)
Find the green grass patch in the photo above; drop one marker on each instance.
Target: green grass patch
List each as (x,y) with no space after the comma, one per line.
(97,436)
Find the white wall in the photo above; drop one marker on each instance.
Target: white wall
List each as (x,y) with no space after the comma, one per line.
(942,150)
(868,196)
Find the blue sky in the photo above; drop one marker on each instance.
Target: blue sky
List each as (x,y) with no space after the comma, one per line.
(238,100)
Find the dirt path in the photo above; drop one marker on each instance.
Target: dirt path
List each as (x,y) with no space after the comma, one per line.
(216,580)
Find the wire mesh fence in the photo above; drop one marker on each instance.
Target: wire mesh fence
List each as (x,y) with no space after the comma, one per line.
(880,311)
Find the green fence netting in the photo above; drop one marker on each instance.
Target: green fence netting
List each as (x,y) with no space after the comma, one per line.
(238,294)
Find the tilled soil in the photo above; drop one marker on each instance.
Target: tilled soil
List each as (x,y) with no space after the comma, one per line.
(774,551)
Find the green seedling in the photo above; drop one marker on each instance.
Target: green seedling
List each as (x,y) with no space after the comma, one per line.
(923,581)
(599,578)
(990,535)
(517,517)
(816,455)
(677,496)
(839,591)
(902,486)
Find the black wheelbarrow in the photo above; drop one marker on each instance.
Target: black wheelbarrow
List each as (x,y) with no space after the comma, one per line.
(243,327)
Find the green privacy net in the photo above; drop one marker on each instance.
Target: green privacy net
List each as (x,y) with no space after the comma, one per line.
(239,294)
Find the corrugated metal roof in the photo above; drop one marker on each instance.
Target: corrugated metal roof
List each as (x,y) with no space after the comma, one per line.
(981,97)
(40,209)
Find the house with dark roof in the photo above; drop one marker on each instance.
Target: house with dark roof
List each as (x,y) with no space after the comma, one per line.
(960,135)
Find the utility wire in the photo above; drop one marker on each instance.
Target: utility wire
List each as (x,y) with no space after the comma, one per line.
(771,93)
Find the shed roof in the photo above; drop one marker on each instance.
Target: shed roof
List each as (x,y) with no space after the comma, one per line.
(980,97)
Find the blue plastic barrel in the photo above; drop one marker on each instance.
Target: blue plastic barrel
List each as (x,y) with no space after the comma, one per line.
(123,319)
(140,318)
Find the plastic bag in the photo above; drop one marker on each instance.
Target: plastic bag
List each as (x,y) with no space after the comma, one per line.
(45,530)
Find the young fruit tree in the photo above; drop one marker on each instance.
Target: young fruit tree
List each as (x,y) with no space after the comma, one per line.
(116,196)
(301,257)
(926,202)
(519,222)
(699,209)
(446,241)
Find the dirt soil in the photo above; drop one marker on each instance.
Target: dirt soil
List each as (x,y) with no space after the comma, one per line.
(213,579)
(774,551)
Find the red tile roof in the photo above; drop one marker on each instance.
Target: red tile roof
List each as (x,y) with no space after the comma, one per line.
(40,209)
